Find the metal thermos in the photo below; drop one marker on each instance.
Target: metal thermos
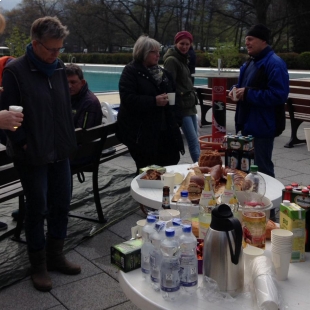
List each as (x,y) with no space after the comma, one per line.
(222,251)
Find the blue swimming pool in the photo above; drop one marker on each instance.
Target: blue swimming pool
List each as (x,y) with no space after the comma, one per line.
(105,78)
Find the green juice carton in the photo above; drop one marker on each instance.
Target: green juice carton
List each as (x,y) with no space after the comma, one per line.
(292,217)
(127,255)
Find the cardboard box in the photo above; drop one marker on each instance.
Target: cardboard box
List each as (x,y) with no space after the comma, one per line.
(150,183)
(292,218)
(127,255)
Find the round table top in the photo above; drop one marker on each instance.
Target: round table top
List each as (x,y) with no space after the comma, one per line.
(216,74)
(152,197)
(293,293)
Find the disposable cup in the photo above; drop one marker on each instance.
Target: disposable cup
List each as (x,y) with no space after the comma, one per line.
(266,292)
(307,135)
(281,249)
(165,215)
(169,180)
(171,97)
(178,178)
(249,253)
(15,108)
(281,264)
(173,213)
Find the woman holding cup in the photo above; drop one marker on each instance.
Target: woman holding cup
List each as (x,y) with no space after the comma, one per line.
(147,124)
(176,62)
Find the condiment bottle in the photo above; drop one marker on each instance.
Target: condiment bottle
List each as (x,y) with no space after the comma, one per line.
(206,204)
(166,197)
(229,196)
(288,193)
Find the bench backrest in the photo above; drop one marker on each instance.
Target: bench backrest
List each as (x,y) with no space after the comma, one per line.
(8,173)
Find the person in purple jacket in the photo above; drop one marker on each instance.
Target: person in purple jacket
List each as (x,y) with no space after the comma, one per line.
(86,108)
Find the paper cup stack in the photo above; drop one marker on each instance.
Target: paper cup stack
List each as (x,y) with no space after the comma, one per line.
(281,251)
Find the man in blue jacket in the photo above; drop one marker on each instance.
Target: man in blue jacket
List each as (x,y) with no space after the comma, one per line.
(262,90)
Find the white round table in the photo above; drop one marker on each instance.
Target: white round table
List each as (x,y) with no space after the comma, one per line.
(152,197)
(293,292)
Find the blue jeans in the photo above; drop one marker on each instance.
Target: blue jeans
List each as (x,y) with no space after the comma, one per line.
(263,155)
(48,194)
(190,130)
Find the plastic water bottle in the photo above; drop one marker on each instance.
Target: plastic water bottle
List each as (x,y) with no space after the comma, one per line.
(188,261)
(254,186)
(156,256)
(147,246)
(177,225)
(184,205)
(170,266)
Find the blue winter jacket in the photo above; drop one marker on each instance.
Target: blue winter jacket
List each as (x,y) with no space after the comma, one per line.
(266,88)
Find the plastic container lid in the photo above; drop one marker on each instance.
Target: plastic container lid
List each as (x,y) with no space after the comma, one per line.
(184,194)
(170,232)
(187,228)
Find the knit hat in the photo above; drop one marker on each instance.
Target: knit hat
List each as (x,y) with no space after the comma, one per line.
(183,35)
(259,31)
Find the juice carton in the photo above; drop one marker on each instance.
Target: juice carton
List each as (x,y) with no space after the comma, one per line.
(292,218)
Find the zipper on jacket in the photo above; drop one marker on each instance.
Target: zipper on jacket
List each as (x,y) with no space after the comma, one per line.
(49,82)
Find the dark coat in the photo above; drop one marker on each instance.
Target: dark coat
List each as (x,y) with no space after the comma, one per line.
(86,109)
(140,120)
(47,128)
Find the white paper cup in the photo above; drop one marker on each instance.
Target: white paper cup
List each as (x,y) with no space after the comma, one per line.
(15,108)
(171,97)
(281,264)
(179,177)
(249,253)
(169,179)
(307,135)
(266,292)
(165,215)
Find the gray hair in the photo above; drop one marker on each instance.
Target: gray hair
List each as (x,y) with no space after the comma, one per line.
(143,46)
(48,28)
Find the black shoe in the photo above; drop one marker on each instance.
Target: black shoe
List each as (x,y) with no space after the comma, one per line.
(3,226)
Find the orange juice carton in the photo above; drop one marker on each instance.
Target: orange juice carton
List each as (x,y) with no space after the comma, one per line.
(292,218)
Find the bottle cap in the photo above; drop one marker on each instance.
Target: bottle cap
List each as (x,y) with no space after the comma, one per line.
(150,219)
(169,232)
(187,228)
(305,191)
(184,194)
(253,168)
(286,202)
(288,188)
(176,222)
(294,184)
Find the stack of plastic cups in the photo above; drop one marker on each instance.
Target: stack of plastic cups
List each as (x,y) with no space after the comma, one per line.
(281,251)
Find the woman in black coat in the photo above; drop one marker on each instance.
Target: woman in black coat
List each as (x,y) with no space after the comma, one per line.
(147,124)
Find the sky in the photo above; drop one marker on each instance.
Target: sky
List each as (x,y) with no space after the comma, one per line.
(9,4)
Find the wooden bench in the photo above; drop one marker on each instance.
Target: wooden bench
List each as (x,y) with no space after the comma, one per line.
(96,145)
(10,187)
(297,106)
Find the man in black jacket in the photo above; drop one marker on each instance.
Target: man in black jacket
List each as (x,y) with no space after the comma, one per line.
(86,108)
(41,146)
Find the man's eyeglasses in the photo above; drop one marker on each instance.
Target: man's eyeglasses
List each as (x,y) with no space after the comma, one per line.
(53,50)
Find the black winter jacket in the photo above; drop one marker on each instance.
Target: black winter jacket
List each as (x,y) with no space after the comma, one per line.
(140,120)
(47,128)
(86,109)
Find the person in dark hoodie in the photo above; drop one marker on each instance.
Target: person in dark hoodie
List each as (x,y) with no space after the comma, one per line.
(86,108)
(176,62)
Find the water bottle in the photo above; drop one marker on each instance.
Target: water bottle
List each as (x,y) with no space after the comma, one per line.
(177,225)
(156,256)
(188,261)
(254,187)
(184,205)
(147,246)
(170,266)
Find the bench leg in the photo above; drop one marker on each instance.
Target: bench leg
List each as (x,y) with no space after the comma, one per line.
(20,221)
(97,196)
(294,140)
(204,111)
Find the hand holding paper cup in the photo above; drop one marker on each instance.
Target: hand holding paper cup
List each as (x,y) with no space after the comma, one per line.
(171,97)
(16,108)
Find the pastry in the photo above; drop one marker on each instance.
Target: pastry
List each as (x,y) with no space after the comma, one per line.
(196,184)
(209,158)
